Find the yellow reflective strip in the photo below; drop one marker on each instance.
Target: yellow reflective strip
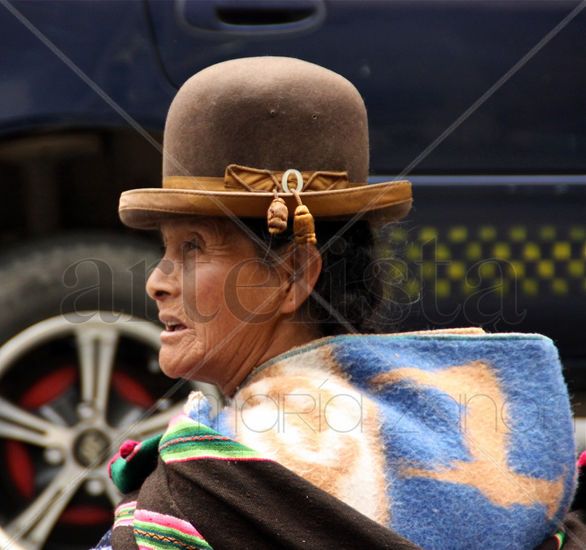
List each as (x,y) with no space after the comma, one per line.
(412,288)
(577,233)
(547,232)
(442,252)
(502,288)
(562,251)
(413,251)
(487,269)
(442,288)
(398,234)
(531,252)
(516,269)
(530,287)
(428,234)
(502,251)
(398,270)
(456,270)
(518,233)
(559,286)
(468,287)
(546,269)
(429,270)
(458,234)
(473,251)
(576,268)
(487,233)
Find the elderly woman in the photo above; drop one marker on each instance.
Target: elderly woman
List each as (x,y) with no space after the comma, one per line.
(327,439)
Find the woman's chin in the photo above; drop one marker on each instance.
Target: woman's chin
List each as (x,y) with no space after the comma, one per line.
(177,367)
(169,372)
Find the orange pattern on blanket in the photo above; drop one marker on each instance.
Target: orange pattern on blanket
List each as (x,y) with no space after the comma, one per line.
(324,430)
(484,425)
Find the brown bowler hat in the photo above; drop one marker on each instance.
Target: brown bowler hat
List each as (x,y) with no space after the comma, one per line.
(242,133)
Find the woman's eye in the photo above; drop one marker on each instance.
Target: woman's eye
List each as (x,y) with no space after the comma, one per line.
(190,246)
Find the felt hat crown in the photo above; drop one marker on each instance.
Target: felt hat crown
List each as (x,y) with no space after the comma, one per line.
(243,132)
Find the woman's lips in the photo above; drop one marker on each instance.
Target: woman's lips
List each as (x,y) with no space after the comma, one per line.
(172,333)
(173,327)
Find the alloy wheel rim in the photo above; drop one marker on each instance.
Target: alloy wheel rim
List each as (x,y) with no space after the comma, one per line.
(69,448)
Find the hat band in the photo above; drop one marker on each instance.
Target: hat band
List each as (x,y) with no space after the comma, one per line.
(237,178)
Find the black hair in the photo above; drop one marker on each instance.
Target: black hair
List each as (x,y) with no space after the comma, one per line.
(349,295)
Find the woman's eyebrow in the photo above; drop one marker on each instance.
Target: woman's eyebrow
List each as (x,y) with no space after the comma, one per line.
(190,233)
(209,230)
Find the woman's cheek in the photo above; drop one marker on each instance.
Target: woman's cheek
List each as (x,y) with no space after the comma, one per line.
(203,293)
(255,292)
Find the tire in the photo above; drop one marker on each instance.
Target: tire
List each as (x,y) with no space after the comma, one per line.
(78,375)
(97,272)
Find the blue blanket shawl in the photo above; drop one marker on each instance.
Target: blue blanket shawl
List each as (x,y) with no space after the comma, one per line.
(474,430)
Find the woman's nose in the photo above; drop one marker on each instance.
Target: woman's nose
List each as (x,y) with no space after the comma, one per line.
(162,282)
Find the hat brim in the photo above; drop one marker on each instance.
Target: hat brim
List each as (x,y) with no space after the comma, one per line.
(146,208)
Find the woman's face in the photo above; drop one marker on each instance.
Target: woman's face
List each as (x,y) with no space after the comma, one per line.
(218,300)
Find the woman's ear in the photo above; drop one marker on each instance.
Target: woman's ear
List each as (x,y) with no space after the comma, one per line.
(303,264)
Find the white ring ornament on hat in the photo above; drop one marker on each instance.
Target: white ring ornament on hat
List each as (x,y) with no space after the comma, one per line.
(285,180)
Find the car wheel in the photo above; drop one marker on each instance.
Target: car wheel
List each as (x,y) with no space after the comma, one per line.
(79,374)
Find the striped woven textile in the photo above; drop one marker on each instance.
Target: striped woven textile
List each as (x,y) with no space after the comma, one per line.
(208,491)
(187,440)
(154,531)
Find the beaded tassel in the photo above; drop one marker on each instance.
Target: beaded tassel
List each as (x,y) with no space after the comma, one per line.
(277,215)
(303,223)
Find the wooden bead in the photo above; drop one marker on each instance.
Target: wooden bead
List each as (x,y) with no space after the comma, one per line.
(304,226)
(277,215)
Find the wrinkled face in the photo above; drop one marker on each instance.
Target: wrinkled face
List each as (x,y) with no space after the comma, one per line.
(218,300)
